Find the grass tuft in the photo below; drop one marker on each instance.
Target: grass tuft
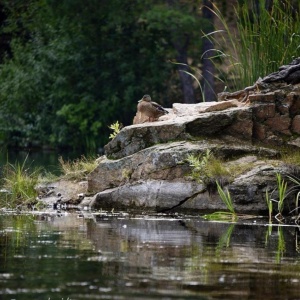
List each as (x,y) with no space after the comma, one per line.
(221,215)
(77,169)
(19,184)
(268,36)
(206,167)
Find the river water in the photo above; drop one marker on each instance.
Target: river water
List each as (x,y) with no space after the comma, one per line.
(80,255)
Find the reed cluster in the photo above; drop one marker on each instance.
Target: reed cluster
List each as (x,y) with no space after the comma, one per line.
(264,39)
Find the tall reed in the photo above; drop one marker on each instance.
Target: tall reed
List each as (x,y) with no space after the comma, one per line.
(282,186)
(264,40)
(270,205)
(223,215)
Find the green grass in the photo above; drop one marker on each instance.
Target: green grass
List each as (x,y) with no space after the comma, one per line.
(206,167)
(77,169)
(19,182)
(261,44)
(282,187)
(291,157)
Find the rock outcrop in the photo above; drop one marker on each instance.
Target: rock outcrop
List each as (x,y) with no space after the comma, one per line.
(145,166)
(235,123)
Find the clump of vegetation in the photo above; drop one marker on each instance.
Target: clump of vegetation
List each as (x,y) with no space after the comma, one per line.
(295,189)
(206,167)
(282,187)
(19,184)
(77,169)
(290,157)
(223,215)
(115,127)
(262,34)
(282,193)
(235,169)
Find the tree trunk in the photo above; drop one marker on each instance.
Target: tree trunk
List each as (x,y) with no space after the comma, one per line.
(208,69)
(185,79)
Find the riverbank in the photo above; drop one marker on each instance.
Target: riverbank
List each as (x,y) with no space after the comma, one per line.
(243,142)
(150,166)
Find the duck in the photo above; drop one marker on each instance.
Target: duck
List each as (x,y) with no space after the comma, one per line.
(148,111)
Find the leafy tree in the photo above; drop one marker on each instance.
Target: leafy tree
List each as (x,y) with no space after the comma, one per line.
(71,68)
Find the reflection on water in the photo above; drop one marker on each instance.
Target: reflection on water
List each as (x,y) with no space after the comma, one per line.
(120,256)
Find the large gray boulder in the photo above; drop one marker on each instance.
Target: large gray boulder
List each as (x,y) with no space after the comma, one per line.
(247,190)
(145,166)
(166,162)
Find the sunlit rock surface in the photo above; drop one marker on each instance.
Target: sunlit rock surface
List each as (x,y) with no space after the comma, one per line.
(235,122)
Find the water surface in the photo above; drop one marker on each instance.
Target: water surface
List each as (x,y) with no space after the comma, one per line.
(47,160)
(125,256)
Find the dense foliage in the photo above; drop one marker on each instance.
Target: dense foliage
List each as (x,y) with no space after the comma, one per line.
(72,68)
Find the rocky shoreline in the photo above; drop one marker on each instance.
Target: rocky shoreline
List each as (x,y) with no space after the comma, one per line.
(145,166)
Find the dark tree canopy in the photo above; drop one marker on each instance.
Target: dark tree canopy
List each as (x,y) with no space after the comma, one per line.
(71,68)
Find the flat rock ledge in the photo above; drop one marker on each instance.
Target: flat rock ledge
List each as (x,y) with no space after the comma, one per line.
(145,166)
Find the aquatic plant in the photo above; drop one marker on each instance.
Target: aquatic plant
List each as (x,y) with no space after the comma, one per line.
(295,189)
(268,233)
(280,246)
(270,205)
(282,187)
(221,215)
(225,216)
(19,182)
(226,198)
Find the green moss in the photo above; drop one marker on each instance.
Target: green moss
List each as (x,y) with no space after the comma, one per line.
(126,174)
(291,157)
(239,168)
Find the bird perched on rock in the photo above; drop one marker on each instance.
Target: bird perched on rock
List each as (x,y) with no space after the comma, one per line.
(148,111)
